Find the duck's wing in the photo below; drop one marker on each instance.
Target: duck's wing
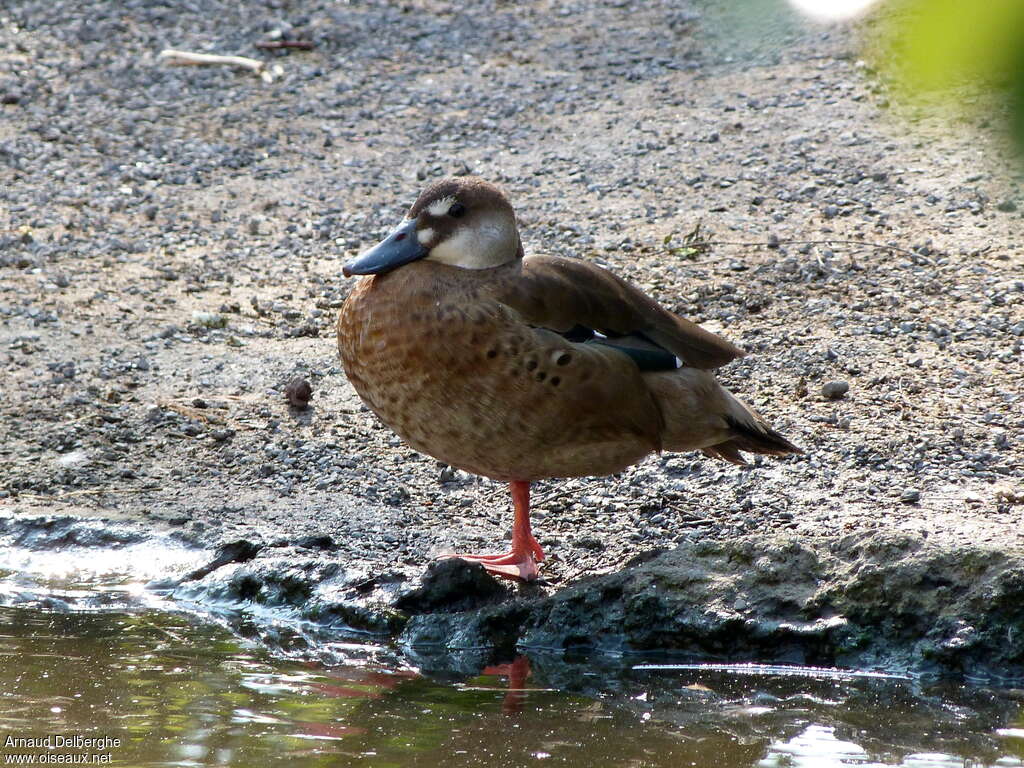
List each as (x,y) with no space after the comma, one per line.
(573,296)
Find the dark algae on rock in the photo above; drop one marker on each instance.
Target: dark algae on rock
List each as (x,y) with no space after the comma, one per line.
(884,601)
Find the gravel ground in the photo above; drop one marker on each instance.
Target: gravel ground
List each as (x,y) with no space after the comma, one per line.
(171,242)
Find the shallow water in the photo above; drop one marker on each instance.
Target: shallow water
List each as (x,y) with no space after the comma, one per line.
(104,659)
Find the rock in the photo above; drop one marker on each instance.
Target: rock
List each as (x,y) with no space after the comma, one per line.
(833,390)
(494,627)
(855,603)
(910,496)
(321,541)
(239,551)
(452,585)
(209,319)
(53,533)
(298,393)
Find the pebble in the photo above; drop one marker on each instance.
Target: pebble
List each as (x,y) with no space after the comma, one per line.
(910,496)
(833,390)
(298,392)
(209,319)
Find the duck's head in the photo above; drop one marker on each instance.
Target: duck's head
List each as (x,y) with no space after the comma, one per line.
(463,222)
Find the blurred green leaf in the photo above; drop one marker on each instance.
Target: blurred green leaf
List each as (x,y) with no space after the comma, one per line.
(932,48)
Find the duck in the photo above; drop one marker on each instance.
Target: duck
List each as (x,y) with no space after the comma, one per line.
(526,368)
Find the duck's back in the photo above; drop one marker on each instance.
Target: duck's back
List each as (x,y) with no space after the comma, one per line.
(455,371)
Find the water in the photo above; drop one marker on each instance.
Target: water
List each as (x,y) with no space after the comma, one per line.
(177,690)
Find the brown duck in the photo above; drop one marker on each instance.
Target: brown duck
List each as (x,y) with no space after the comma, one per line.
(521,369)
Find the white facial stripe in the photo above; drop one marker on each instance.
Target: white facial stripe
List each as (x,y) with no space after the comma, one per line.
(439,208)
(425,236)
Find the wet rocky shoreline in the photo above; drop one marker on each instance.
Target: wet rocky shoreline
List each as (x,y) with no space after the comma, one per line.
(886,602)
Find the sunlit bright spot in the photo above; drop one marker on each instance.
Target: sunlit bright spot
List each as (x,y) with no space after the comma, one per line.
(832,10)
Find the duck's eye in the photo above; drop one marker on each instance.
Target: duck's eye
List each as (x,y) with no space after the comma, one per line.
(457,210)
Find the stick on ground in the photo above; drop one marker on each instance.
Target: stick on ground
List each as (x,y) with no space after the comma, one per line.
(187,58)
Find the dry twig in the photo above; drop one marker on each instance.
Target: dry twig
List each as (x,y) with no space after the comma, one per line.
(188,58)
(270,45)
(82,492)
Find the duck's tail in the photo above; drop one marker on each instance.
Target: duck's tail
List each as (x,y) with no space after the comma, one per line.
(752,437)
(701,414)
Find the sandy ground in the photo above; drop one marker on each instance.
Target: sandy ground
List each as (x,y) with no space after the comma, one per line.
(171,242)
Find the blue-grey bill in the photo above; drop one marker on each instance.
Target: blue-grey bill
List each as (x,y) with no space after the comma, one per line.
(398,248)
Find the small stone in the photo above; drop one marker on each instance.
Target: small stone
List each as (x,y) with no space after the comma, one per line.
(834,390)
(1009,495)
(910,496)
(298,393)
(1007,206)
(209,319)
(831,211)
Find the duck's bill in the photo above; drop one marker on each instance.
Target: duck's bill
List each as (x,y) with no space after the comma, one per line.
(398,248)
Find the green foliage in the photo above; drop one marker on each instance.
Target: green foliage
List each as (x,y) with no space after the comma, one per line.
(938,47)
(694,243)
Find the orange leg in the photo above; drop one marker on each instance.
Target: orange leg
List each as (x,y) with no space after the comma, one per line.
(521,561)
(517,671)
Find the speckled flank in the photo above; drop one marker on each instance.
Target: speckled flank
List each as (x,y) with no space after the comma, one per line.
(467,382)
